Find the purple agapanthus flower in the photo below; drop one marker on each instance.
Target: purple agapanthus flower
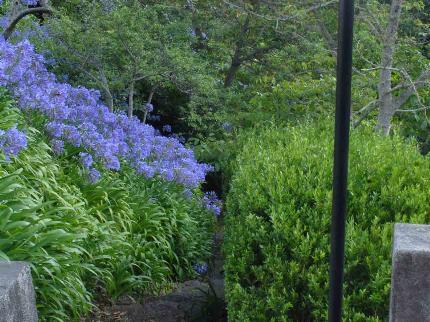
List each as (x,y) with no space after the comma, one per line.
(154,118)
(94,175)
(29,2)
(86,160)
(12,142)
(201,268)
(57,146)
(149,107)
(167,128)
(212,203)
(77,118)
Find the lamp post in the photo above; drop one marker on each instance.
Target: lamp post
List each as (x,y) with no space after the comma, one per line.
(340,167)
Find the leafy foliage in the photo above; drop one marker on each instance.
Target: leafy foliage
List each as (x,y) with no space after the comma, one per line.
(278,222)
(150,58)
(122,235)
(209,71)
(44,222)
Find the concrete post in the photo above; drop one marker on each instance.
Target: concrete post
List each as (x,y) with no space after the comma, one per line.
(410,281)
(17,297)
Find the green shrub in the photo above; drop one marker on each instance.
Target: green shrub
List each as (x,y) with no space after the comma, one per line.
(125,234)
(278,222)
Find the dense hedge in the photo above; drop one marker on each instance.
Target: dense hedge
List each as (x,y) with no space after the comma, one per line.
(278,222)
(124,234)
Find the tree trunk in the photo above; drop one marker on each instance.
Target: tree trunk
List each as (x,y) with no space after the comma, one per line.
(234,68)
(109,100)
(236,60)
(105,85)
(386,107)
(386,104)
(385,116)
(151,95)
(131,100)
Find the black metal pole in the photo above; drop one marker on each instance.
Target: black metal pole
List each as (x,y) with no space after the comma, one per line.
(340,167)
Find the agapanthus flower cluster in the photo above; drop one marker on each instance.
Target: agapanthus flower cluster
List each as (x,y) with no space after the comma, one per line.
(76,117)
(29,2)
(86,160)
(154,118)
(108,5)
(200,268)
(167,128)
(227,127)
(12,142)
(212,203)
(149,107)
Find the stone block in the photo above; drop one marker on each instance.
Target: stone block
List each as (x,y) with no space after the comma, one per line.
(17,297)
(410,281)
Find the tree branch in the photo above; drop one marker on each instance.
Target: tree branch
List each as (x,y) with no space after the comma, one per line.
(280,18)
(372,20)
(366,111)
(414,86)
(33,11)
(415,110)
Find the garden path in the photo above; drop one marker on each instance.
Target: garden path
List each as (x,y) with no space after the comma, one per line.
(198,300)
